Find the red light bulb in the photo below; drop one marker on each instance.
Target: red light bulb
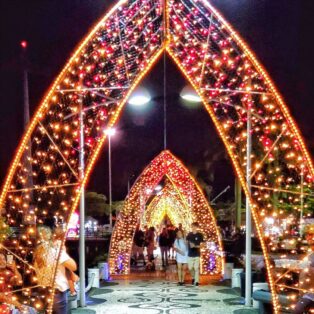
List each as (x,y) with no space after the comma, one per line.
(24,44)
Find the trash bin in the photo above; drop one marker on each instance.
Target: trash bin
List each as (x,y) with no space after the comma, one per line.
(228,271)
(254,278)
(93,272)
(259,286)
(235,281)
(103,271)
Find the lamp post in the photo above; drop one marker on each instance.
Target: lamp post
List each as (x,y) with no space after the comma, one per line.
(82,201)
(82,212)
(82,197)
(248,225)
(129,182)
(25,65)
(302,205)
(110,132)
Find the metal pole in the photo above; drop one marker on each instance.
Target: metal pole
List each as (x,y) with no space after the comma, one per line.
(26,119)
(248,246)
(82,214)
(26,97)
(302,204)
(165,73)
(110,184)
(238,201)
(165,102)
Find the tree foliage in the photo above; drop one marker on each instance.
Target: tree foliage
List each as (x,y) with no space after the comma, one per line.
(95,204)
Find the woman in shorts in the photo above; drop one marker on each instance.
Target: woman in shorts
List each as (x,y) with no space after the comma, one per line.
(180,246)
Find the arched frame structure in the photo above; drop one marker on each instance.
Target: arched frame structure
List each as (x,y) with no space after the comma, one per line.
(168,203)
(43,179)
(179,180)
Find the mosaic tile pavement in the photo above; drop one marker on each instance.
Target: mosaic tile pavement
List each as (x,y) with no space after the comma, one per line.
(163,297)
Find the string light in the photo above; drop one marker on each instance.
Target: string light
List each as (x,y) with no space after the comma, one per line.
(187,204)
(102,73)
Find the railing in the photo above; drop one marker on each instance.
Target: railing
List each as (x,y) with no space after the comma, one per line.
(90,233)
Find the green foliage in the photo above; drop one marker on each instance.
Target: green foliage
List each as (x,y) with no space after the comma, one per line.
(100,258)
(5,230)
(95,204)
(289,206)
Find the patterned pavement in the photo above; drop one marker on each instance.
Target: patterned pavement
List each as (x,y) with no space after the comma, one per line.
(155,296)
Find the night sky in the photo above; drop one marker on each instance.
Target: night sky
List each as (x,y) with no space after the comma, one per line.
(279,31)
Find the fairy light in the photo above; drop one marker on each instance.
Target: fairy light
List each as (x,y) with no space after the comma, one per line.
(190,203)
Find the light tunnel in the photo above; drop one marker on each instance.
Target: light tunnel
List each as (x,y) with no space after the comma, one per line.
(188,203)
(44,177)
(167,203)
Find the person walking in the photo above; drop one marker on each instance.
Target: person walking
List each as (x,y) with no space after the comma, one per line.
(194,240)
(172,237)
(180,246)
(45,257)
(164,245)
(138,245)
(150,243)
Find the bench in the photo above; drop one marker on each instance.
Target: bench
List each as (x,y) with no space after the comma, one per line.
(265,301)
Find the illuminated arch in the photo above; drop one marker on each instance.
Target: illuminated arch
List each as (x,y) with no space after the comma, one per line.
(168,203)
(165,165)
(43,178)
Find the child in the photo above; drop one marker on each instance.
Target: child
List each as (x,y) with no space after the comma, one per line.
(180,246)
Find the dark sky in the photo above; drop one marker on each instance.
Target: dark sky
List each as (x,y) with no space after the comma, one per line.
(279,31)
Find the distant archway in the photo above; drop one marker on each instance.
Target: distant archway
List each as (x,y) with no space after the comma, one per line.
(165,165)
(168,203)
(43,179)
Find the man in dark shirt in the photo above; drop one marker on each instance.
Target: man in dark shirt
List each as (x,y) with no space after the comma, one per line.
(138,245)
(194,240)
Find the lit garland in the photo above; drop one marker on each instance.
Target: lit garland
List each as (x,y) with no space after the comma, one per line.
(108,64)
(168,203)
(179,180)
(100,76)
(230,82)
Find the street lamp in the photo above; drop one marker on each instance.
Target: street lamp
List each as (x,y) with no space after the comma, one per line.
(140,97)
(189,94)
(82,191)
(110,132)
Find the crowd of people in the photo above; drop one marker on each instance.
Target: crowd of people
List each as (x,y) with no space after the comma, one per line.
(174,243)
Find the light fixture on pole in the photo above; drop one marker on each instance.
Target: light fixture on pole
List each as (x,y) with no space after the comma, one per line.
(189,94)
(110,132)
(140,97)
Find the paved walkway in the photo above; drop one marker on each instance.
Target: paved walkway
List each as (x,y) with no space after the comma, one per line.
(155,296)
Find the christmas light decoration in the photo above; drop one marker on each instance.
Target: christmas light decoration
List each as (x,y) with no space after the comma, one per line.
(180,188)
(101,75)
(168,203)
